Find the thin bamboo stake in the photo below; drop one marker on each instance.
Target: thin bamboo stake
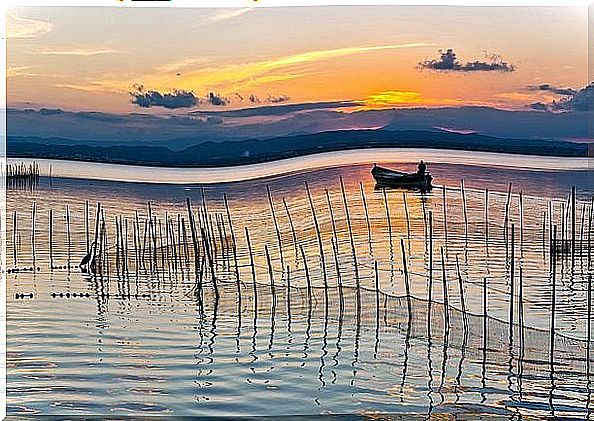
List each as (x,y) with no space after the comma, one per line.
(306,269)
(446,305)
(445,214)
(51,238)
(462,298)
(512,283)
(350,228)
(406,279)
(194,239)
(278,233)
(406,213)
(319,235)
(366,213)
(464,208)
(87,224)
(253,266)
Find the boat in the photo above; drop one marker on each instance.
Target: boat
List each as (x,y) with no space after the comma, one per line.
(386,177)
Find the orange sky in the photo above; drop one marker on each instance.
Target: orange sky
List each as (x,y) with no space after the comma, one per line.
(90,58)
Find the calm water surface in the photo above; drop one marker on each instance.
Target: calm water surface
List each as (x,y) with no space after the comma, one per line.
(142,342)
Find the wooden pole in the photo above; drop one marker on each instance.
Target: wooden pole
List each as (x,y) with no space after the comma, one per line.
(350,228)
(406,214)
(462,298)
(511,283)
(366,212)
(293,233)
(446,305)
(406,279)
(278,233)
(253,266)
(319,235)
(194,239)
(51,238)
(464,208)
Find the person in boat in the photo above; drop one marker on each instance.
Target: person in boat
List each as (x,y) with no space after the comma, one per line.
(421,168)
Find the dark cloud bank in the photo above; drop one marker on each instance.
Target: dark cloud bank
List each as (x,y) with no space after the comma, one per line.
(179,98)
(580,100)
(448,61)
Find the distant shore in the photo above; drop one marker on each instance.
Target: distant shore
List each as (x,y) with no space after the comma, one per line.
(255,151)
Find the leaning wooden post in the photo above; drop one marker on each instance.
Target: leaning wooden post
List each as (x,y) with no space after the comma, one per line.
(464,208)
(573,218)
(319,235)
(14,237)
(406,214)
(485,308)
(98,214)
(366,212)
(293,233)
(486,216)
(210,258)
(406,279)
(430,284)
(553,301)
(278,233)
(87,223)
(33,214)
(511,283)
(194,240)
(51,238)
(462,298)
(271,275)
(350,228)
(253,266)
(446,306)
(234,245)
(68,233)
(445,215)
(306,268)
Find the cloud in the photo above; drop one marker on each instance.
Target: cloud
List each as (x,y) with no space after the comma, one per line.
(78,52)
(580,100)
(278,99)
(449,62)
(225,14)
(216,100)
(550,88)
(18,28)
(278,110)
(169,100)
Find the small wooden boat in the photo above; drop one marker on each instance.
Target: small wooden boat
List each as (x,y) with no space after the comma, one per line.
(386,177)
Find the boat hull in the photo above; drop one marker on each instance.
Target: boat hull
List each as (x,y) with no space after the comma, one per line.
(388,178)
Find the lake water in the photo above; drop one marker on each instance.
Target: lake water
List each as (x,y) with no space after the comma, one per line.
(140,339)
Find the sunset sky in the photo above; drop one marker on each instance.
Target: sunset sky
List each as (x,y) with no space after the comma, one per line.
(90,59)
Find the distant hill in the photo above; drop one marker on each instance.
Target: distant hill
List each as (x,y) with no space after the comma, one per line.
(213,154)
